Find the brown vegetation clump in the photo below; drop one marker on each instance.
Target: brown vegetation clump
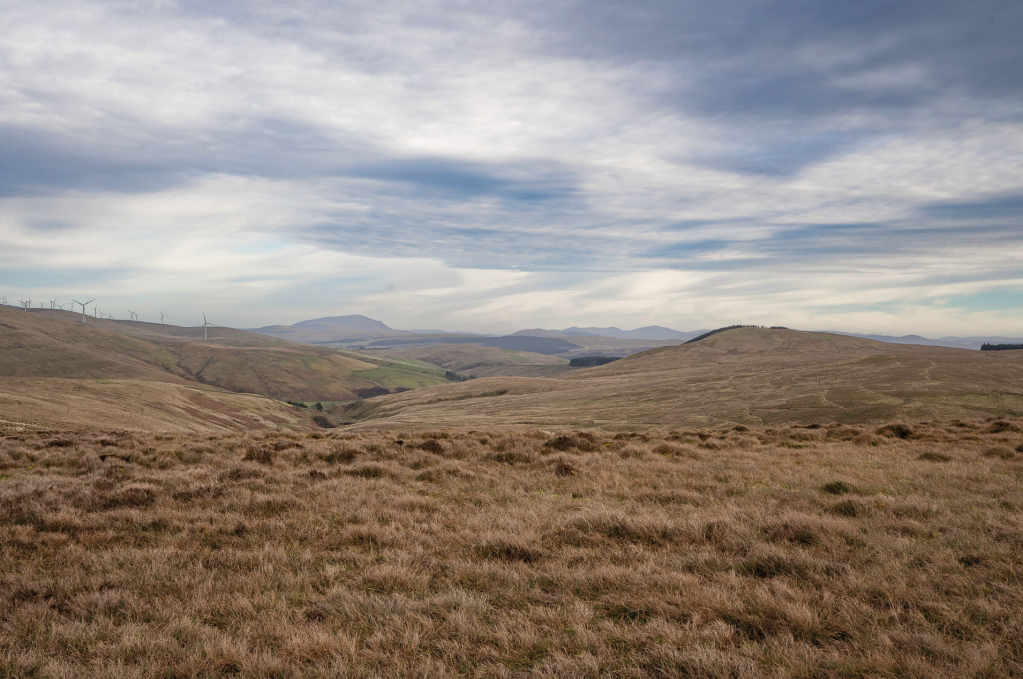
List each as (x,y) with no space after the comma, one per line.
(340,454)
(260,452)
(999,426)
(784,552)
(868,440)
(1003,452)
(931,456)
(895,431)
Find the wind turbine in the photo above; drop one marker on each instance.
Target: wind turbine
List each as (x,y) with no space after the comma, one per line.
(161,318)
(205,324)
(134,315)
(26,303)
(75,301)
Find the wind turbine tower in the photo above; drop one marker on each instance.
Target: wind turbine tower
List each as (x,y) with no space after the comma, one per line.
(134,315)
(161,318)
(205,324)
(75,301)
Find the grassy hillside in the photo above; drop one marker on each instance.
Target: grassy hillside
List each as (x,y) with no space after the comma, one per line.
(747,375)
(701,552)
(301,373)
(482,361)
(31,404)
(57,344)
(33,344)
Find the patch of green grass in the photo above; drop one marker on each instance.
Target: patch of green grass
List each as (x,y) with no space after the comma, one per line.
(397,375)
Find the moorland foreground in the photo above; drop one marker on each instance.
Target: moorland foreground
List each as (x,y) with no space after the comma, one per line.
(761,502)
(730,551)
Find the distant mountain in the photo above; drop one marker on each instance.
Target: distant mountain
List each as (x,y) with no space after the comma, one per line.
(650,332)
(329,329)
(423,331)
(953,342)
(530,343)
(539,332)
(355,322)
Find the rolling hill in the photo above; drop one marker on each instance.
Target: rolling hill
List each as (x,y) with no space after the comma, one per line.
(361,332)
(485,361)
(144,406)
(746,375)
(650,332)
(55,344)
(545,342)
(329,328)
(955,342)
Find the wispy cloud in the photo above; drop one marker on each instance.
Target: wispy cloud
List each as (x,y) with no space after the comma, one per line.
(498,164)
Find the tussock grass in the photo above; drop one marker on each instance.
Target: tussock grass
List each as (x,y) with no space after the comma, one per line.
(823,551)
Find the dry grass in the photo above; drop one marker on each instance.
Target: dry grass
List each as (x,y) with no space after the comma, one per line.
(55,344)
(751,376)
(834,551)
(471,359)
(141,406)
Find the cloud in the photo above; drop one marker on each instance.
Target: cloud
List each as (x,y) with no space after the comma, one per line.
(758,154)
(997,207)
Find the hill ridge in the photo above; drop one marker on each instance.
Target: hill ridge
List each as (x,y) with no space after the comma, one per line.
(740,376)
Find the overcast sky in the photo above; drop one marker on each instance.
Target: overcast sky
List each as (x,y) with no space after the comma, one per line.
(492,166)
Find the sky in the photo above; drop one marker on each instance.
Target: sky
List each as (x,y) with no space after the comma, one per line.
(493,166)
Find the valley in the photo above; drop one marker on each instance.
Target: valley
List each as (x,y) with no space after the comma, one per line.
(56,344)
(759,497)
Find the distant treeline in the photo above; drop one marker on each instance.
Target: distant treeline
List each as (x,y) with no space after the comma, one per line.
(591,361)
(999,347)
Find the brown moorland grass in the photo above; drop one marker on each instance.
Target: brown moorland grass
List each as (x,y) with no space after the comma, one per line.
(821,551)
(751,376)
(140,406)
(55,344)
